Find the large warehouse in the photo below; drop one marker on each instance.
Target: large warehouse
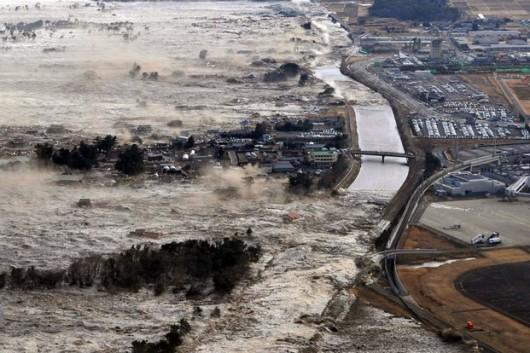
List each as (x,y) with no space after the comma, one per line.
(467,184)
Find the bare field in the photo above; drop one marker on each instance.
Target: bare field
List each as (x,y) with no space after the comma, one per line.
(520,92)
(516,9)
(419,237)
(434,289)
(486,83)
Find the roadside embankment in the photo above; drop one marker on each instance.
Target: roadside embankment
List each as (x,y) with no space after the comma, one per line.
(355,164)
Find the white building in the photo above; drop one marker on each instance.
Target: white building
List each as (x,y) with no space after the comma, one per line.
(322,158)
(467,184)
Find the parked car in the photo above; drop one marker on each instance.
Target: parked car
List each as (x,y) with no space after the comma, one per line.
(479,239)
(482,240)
(494,239)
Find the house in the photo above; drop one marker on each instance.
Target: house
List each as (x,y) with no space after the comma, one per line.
(282,167)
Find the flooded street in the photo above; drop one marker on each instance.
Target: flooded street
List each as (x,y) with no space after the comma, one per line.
(76,73)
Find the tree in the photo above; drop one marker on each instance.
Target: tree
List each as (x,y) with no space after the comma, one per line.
(131,161)
(432,163)
(83,157)
(301,125)
(78,161)
(89,152)
(44,151)
(133,72)
(300,183)
(106,144)
(260,130)
(190,143)
(307,125)
(61,157)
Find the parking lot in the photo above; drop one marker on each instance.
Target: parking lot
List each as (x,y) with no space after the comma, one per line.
(464,111)
(463,219)
(446,128)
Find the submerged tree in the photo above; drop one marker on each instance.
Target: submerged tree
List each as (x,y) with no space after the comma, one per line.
(44,151)
(106,144)
(190,143)
(131,161)
(300,183)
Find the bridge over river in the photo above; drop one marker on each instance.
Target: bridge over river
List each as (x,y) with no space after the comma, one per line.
(383,154)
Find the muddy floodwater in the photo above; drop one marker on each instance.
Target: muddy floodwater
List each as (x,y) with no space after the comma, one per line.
(73,69)
(76,71)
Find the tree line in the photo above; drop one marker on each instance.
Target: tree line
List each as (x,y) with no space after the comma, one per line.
(192,266)
(85,156)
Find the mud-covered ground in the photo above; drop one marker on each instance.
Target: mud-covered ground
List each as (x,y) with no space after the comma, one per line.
(83,84)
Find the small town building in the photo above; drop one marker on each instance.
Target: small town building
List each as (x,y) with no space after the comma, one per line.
(323,157)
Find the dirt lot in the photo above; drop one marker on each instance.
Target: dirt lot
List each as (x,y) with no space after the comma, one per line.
(487,84)
(434,289)
(419,237)
(506,8)
(520,93)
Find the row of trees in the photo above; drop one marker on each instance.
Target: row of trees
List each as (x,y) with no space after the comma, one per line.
(85,156)
(188,265)
(300,125)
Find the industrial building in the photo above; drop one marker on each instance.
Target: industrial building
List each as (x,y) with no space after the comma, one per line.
(468,184)
(381,44)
